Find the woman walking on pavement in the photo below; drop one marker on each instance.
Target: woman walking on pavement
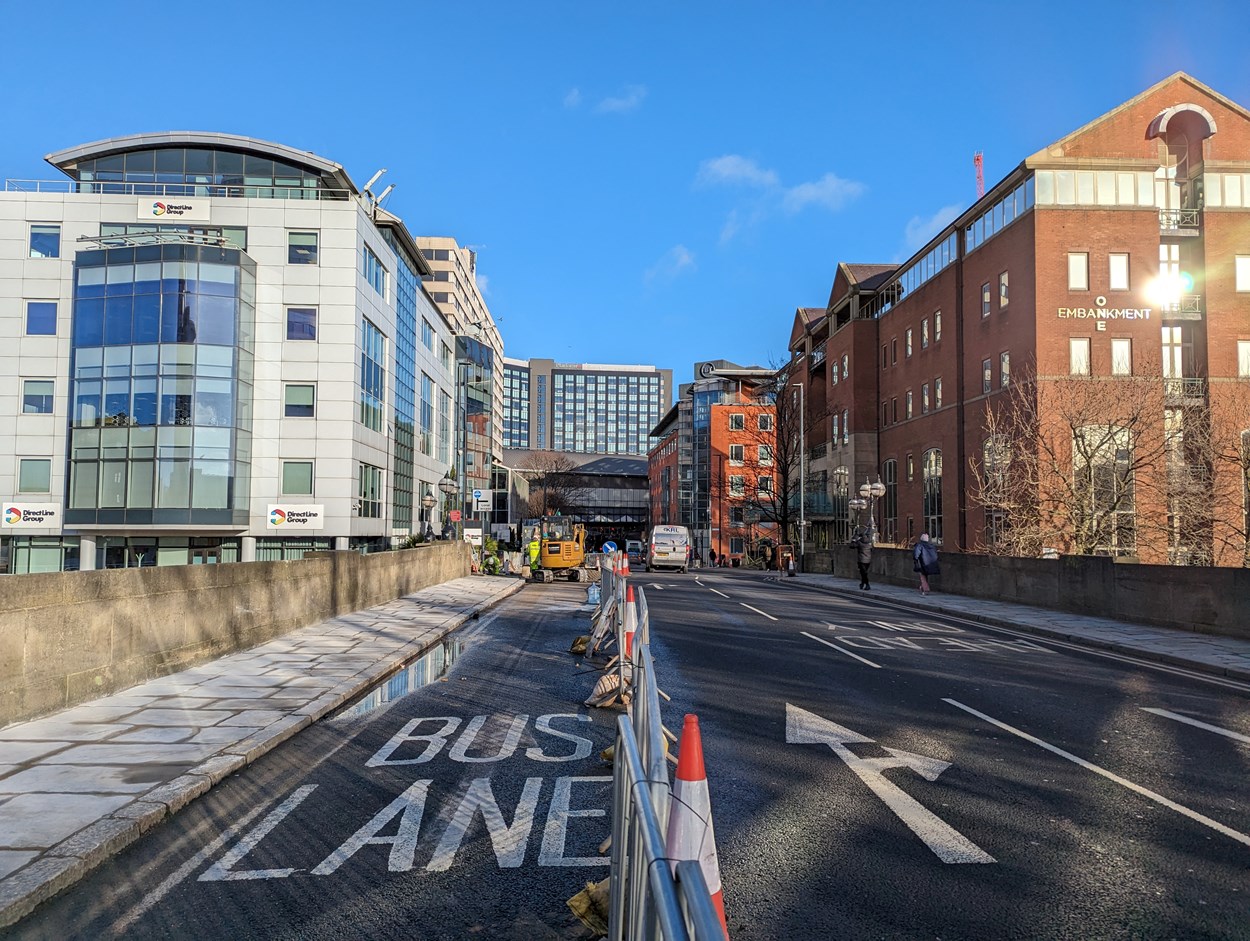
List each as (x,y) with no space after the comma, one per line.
(925,555)
(863,549)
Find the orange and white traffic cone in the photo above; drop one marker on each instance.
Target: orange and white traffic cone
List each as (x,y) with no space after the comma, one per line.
(623,571)
(690,834)
(630,621)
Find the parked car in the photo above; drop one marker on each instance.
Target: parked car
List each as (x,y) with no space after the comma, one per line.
(668,548)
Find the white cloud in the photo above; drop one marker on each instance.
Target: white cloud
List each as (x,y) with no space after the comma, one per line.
(730,228)
(676,260)
(830,192)
(573,98)
(733,168)
(630,101)
(920,230)
(483,283)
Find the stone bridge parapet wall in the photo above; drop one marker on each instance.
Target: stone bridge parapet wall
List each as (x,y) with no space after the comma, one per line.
(68,637)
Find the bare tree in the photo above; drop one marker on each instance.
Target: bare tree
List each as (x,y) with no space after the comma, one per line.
(1075,464)
(555,484)
(1227,454)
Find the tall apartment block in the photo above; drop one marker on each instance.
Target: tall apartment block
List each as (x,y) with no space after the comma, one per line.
(583,407)
(213,348)
(1110,271)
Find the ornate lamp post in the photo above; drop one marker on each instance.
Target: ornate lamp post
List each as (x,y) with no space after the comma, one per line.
(858,504)
(873,492)
(427,504)
(448,487)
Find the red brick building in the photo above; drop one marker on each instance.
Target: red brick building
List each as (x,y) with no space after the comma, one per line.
(1067,365)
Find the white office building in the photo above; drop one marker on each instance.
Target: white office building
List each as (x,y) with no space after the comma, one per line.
(213,348)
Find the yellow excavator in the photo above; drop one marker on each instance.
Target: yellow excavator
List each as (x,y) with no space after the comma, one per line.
(562,550)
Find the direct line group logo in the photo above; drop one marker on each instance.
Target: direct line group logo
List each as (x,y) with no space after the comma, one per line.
(158,209)
(12,515)
(276,518)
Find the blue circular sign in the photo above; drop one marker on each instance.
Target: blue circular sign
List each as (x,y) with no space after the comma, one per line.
(609,547)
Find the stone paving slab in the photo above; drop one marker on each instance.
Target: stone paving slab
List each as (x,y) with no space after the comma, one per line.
(81,784)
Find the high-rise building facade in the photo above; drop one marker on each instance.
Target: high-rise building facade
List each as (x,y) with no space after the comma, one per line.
(221,350)
(583,407)
(1066,366)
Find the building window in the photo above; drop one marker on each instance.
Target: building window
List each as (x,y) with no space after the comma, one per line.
(1003,295)
(737,421)
(301,248)
(889,503)
(370,493)
(41,318)
(737,485)
(937,325)
(835,428)
(445,357)
(985,299)
(735,545)
(373,271)
(1119,272)
(1242,263)
(372,375)
(885,414)
(297,478)
(737,515)
(924,399)
(1122,356)
(765,485)
(45,241)
(908,342)
(34,475)
(735,455)
(894,410)
(1102,458)
(765,452)
(885,356)
(427,335)
(764,423)
(1004,369)
(37,395)
(894,351)
(846,366)
(924,333)
(1078,271)
(987,376)
(907,407)
(932,494)
(300,401)
(1078,356)
(301,323)
(911,469)
(846,426)
(937,393)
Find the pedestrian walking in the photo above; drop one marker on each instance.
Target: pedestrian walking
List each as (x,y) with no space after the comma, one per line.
(863,549)
(925,556)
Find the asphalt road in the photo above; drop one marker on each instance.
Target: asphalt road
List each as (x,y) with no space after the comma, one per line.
(875,772)
(948,780)
(472,807)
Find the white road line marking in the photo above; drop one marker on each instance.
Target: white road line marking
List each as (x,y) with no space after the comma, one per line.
(756,610)
(223,870)
(711,589)
(1201,725)
(1110,776)
(840,649)
(178,875)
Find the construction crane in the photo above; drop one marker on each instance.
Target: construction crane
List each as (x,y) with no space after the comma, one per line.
(978,160)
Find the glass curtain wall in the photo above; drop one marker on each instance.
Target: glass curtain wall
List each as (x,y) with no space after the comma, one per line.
(475,374)
(402,474)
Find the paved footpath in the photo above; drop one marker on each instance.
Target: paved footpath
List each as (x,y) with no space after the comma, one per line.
(78,785)
(1205,653)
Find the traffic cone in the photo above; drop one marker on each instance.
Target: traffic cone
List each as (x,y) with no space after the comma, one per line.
(623,571)
(690,834)
(631,621)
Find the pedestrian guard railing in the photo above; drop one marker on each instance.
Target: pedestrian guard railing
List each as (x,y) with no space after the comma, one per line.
(650,895)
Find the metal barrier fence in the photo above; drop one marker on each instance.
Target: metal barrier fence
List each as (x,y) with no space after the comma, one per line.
(649,896)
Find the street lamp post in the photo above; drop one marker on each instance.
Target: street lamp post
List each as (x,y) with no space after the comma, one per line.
(858,504)
(802,475)
(427,504)
(448,487)
(872,492)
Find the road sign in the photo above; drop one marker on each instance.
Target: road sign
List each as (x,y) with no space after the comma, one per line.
(609,547)
(949,844)
(454,516)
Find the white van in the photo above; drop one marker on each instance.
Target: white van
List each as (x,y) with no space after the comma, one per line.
(668,547)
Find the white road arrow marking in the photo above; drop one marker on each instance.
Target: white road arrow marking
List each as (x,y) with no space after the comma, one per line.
(951,846)
(1200,725)
(656,587)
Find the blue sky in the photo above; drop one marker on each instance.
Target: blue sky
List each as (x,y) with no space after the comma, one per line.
(647,182)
